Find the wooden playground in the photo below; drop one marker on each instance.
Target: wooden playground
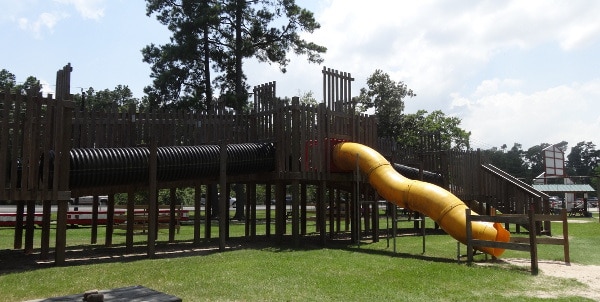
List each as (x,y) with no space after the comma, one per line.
(38,134)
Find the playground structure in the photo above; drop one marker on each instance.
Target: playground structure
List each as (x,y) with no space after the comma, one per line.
(55,151)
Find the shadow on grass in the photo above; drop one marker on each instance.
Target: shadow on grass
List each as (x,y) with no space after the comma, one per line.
(13,261)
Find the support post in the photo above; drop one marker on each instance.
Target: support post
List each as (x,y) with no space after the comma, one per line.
(110,219)
(152,200)
(533,241)
(295,212)
(172,218)
(268,210)
(29,226)
(95,205)
(130,221)
(197,212)
(18,242)
(321,212)
(61,231)
(46,217)
(223,206)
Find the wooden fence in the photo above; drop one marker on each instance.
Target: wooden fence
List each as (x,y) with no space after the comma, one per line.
(518,243)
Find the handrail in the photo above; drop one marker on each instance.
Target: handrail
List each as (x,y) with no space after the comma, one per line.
(518,183)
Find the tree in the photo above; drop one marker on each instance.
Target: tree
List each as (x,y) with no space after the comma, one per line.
(413,127)
(8,81)
(221,34)
(387,98)
(307,98)
(30,84)
(121,98)
(583,159)
(511,161)
(181,68)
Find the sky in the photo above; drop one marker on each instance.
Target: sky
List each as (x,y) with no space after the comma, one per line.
(524,72)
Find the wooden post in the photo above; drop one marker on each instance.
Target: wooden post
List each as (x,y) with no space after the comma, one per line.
(563,214)
(355,209)
(280,215)
(62,135)
(172,220)
(208,209)
(46,217)
(295,188)
(251,209)
(303,197)
(322,211)
(197,212)
(375,218)
(61,231)
(268,210)
(333,211)
(152,199)
(29,226)
(469,231)
(223,204)
(95,205)
(130,221)
(533,241)
(253,202)
(110,219)
(295,167)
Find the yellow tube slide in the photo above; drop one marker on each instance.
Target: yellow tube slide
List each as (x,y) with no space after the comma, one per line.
(440,205)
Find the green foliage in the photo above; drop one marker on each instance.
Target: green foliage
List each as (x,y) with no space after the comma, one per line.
(535,159)
(414,126)
(308,98)
(218,36)
(511,161)
(386,97)
(583,159)
(8,83)
(119,99)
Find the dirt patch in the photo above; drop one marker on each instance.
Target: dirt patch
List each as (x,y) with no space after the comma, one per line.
(588,275)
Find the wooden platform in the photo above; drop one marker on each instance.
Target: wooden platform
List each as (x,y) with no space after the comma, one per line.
(136,293)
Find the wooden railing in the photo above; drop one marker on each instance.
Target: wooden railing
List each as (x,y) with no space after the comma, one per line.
(519,243)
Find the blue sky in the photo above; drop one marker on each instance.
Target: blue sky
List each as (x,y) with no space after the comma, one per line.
(513,71)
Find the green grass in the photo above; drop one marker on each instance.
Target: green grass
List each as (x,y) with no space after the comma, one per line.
(280,272)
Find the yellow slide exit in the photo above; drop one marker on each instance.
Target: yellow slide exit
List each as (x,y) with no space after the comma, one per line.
(440,205)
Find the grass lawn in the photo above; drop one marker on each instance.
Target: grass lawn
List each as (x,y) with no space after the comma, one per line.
(259,271)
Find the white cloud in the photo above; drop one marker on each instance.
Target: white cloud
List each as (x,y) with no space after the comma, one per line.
(488,87)
(45,21)
(559,113)
(439,44)
(88,9)
(454,56)
(39,17)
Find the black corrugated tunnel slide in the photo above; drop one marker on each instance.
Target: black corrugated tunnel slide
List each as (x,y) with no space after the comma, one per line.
(92,167)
